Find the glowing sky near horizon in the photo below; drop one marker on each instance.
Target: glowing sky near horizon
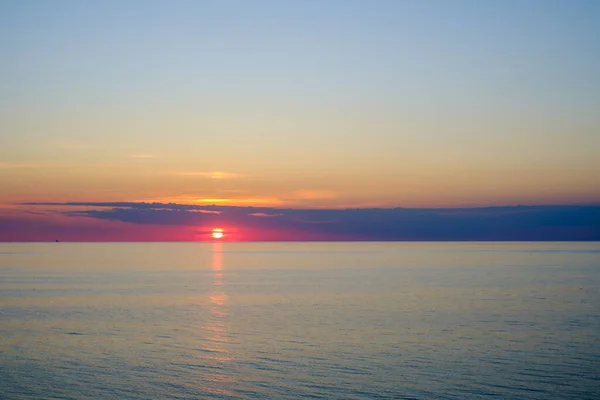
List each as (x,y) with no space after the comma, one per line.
(301,104)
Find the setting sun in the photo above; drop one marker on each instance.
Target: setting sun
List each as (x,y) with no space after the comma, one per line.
(217,233)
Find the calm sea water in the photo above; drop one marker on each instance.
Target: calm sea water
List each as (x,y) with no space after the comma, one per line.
(300,320)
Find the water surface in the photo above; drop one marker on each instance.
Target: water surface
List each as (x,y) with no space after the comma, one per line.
(300,320)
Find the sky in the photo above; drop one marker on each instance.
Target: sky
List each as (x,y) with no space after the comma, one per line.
(296,105)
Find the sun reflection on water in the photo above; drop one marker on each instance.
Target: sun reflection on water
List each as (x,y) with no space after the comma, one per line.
(214,349)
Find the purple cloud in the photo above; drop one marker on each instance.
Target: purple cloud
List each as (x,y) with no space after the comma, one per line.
(487,223)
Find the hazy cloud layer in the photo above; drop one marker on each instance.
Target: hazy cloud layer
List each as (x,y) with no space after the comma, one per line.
(489,223)
(211,175)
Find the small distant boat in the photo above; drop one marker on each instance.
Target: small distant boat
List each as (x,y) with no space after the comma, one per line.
(57,240)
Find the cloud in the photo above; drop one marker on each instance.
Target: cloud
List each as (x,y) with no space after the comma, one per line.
(8,165)
(30,227)
(262,214)
(211,175)
(489,223)
(206,211)
(229,201)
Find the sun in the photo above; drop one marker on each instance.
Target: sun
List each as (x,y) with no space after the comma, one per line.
(217,233)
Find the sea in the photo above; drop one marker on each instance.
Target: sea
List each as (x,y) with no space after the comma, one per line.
(320,320)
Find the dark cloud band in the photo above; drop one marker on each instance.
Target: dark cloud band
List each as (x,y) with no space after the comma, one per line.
(488,223)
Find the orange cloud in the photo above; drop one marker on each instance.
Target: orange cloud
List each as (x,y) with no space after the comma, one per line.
(242,201)
(211,175)
(250,201)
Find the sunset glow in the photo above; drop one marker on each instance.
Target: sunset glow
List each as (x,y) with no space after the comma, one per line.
(269,144)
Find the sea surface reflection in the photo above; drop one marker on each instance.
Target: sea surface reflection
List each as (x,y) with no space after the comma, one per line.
(215,350)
